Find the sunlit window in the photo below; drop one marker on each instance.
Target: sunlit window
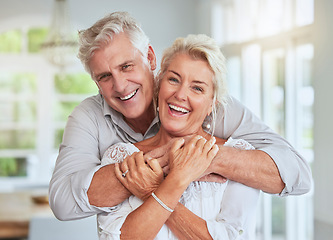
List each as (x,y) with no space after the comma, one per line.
(35,102)
(11,41)
(269,53)
(244,20)
(70,90)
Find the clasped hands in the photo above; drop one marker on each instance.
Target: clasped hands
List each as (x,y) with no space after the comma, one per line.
(188,159)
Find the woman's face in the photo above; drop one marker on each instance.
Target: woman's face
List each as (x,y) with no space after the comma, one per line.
(185,96)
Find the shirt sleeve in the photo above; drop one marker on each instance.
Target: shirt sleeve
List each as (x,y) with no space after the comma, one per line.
(240,122)
(237,215)
(76,164)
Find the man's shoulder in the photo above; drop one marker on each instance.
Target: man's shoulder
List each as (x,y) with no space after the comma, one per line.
(92,101)
(90,106)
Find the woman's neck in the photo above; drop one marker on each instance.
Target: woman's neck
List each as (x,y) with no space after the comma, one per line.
(163,137)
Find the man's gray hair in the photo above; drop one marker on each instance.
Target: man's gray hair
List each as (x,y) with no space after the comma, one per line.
(103,31)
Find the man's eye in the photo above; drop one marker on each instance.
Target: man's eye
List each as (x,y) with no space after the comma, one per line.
(104,77)
(127,67)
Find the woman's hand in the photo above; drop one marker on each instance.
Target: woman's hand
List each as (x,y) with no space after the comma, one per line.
(189,160)
(141,179)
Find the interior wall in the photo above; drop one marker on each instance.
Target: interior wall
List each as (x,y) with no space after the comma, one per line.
(163,21)
(323,113)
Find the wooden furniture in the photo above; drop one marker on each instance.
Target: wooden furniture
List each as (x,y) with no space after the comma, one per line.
(16,211)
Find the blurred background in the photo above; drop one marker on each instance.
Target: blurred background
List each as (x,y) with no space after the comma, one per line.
(279,55)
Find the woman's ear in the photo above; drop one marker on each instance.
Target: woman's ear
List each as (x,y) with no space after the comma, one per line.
(210,109)
(151,58)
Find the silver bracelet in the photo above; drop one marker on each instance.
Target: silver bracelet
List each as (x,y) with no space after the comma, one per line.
(161,203)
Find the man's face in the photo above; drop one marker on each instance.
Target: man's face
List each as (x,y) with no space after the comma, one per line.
(124,77)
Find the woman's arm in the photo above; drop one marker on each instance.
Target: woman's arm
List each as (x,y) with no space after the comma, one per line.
(186,164)
(237,217)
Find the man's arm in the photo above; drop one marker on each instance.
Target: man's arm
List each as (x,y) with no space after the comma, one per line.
(78,168)
(256,168)
(103,185)
(253,168)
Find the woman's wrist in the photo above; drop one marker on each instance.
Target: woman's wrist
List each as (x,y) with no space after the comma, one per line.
(179,179)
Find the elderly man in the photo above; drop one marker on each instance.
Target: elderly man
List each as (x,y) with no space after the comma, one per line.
(117,54)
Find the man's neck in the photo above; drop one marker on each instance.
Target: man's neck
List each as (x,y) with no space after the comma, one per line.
(141,124)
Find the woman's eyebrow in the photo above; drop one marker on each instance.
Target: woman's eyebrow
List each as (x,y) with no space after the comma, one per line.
(194,81)
(199,82)
(174,72)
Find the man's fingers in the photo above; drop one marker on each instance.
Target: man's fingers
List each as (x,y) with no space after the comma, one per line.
(213,151)
(177,144)
(209,144)
(166,170)
(155,166)
(118,173)
(156,153)
(163,161)
(139,159)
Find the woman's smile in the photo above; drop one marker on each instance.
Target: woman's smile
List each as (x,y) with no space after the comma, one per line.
(186,95)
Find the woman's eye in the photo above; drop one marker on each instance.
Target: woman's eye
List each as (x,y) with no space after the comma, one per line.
(174,80)
(198,89)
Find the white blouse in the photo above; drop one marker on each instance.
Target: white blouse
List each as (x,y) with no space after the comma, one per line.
(229,209)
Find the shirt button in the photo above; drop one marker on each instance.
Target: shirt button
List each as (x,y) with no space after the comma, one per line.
(240,232)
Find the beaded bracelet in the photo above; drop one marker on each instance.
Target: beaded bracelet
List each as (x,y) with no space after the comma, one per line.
(161,203)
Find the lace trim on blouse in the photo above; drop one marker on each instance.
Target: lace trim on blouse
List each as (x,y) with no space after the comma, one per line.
(118,152)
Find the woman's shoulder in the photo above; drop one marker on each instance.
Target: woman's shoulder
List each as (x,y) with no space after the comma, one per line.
(118,152)
(239,143)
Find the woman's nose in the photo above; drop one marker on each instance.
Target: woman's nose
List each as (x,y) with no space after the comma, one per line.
(181,93)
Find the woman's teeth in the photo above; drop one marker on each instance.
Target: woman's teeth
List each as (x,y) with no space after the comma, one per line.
(128,96)
(179,109)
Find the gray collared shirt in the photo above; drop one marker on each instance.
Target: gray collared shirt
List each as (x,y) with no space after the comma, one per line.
(93,126)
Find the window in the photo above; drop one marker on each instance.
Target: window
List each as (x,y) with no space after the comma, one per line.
(269,53)
(35,101)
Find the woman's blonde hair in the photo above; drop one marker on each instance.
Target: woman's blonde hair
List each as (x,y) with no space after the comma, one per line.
(204,48)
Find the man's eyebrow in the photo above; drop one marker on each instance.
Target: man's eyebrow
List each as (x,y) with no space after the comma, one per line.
(194,81)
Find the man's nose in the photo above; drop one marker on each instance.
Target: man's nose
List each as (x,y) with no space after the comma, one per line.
(119,83)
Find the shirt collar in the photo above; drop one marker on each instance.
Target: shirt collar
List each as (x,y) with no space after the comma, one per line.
(117,119)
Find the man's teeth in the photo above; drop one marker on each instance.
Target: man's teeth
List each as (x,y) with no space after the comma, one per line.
(128,96)
(179,109)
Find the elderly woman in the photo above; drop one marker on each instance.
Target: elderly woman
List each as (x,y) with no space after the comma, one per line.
(190,87)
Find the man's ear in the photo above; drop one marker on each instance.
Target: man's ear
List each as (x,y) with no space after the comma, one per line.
(151,57)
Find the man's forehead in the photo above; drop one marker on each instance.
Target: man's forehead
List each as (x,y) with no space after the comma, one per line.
(110,58)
